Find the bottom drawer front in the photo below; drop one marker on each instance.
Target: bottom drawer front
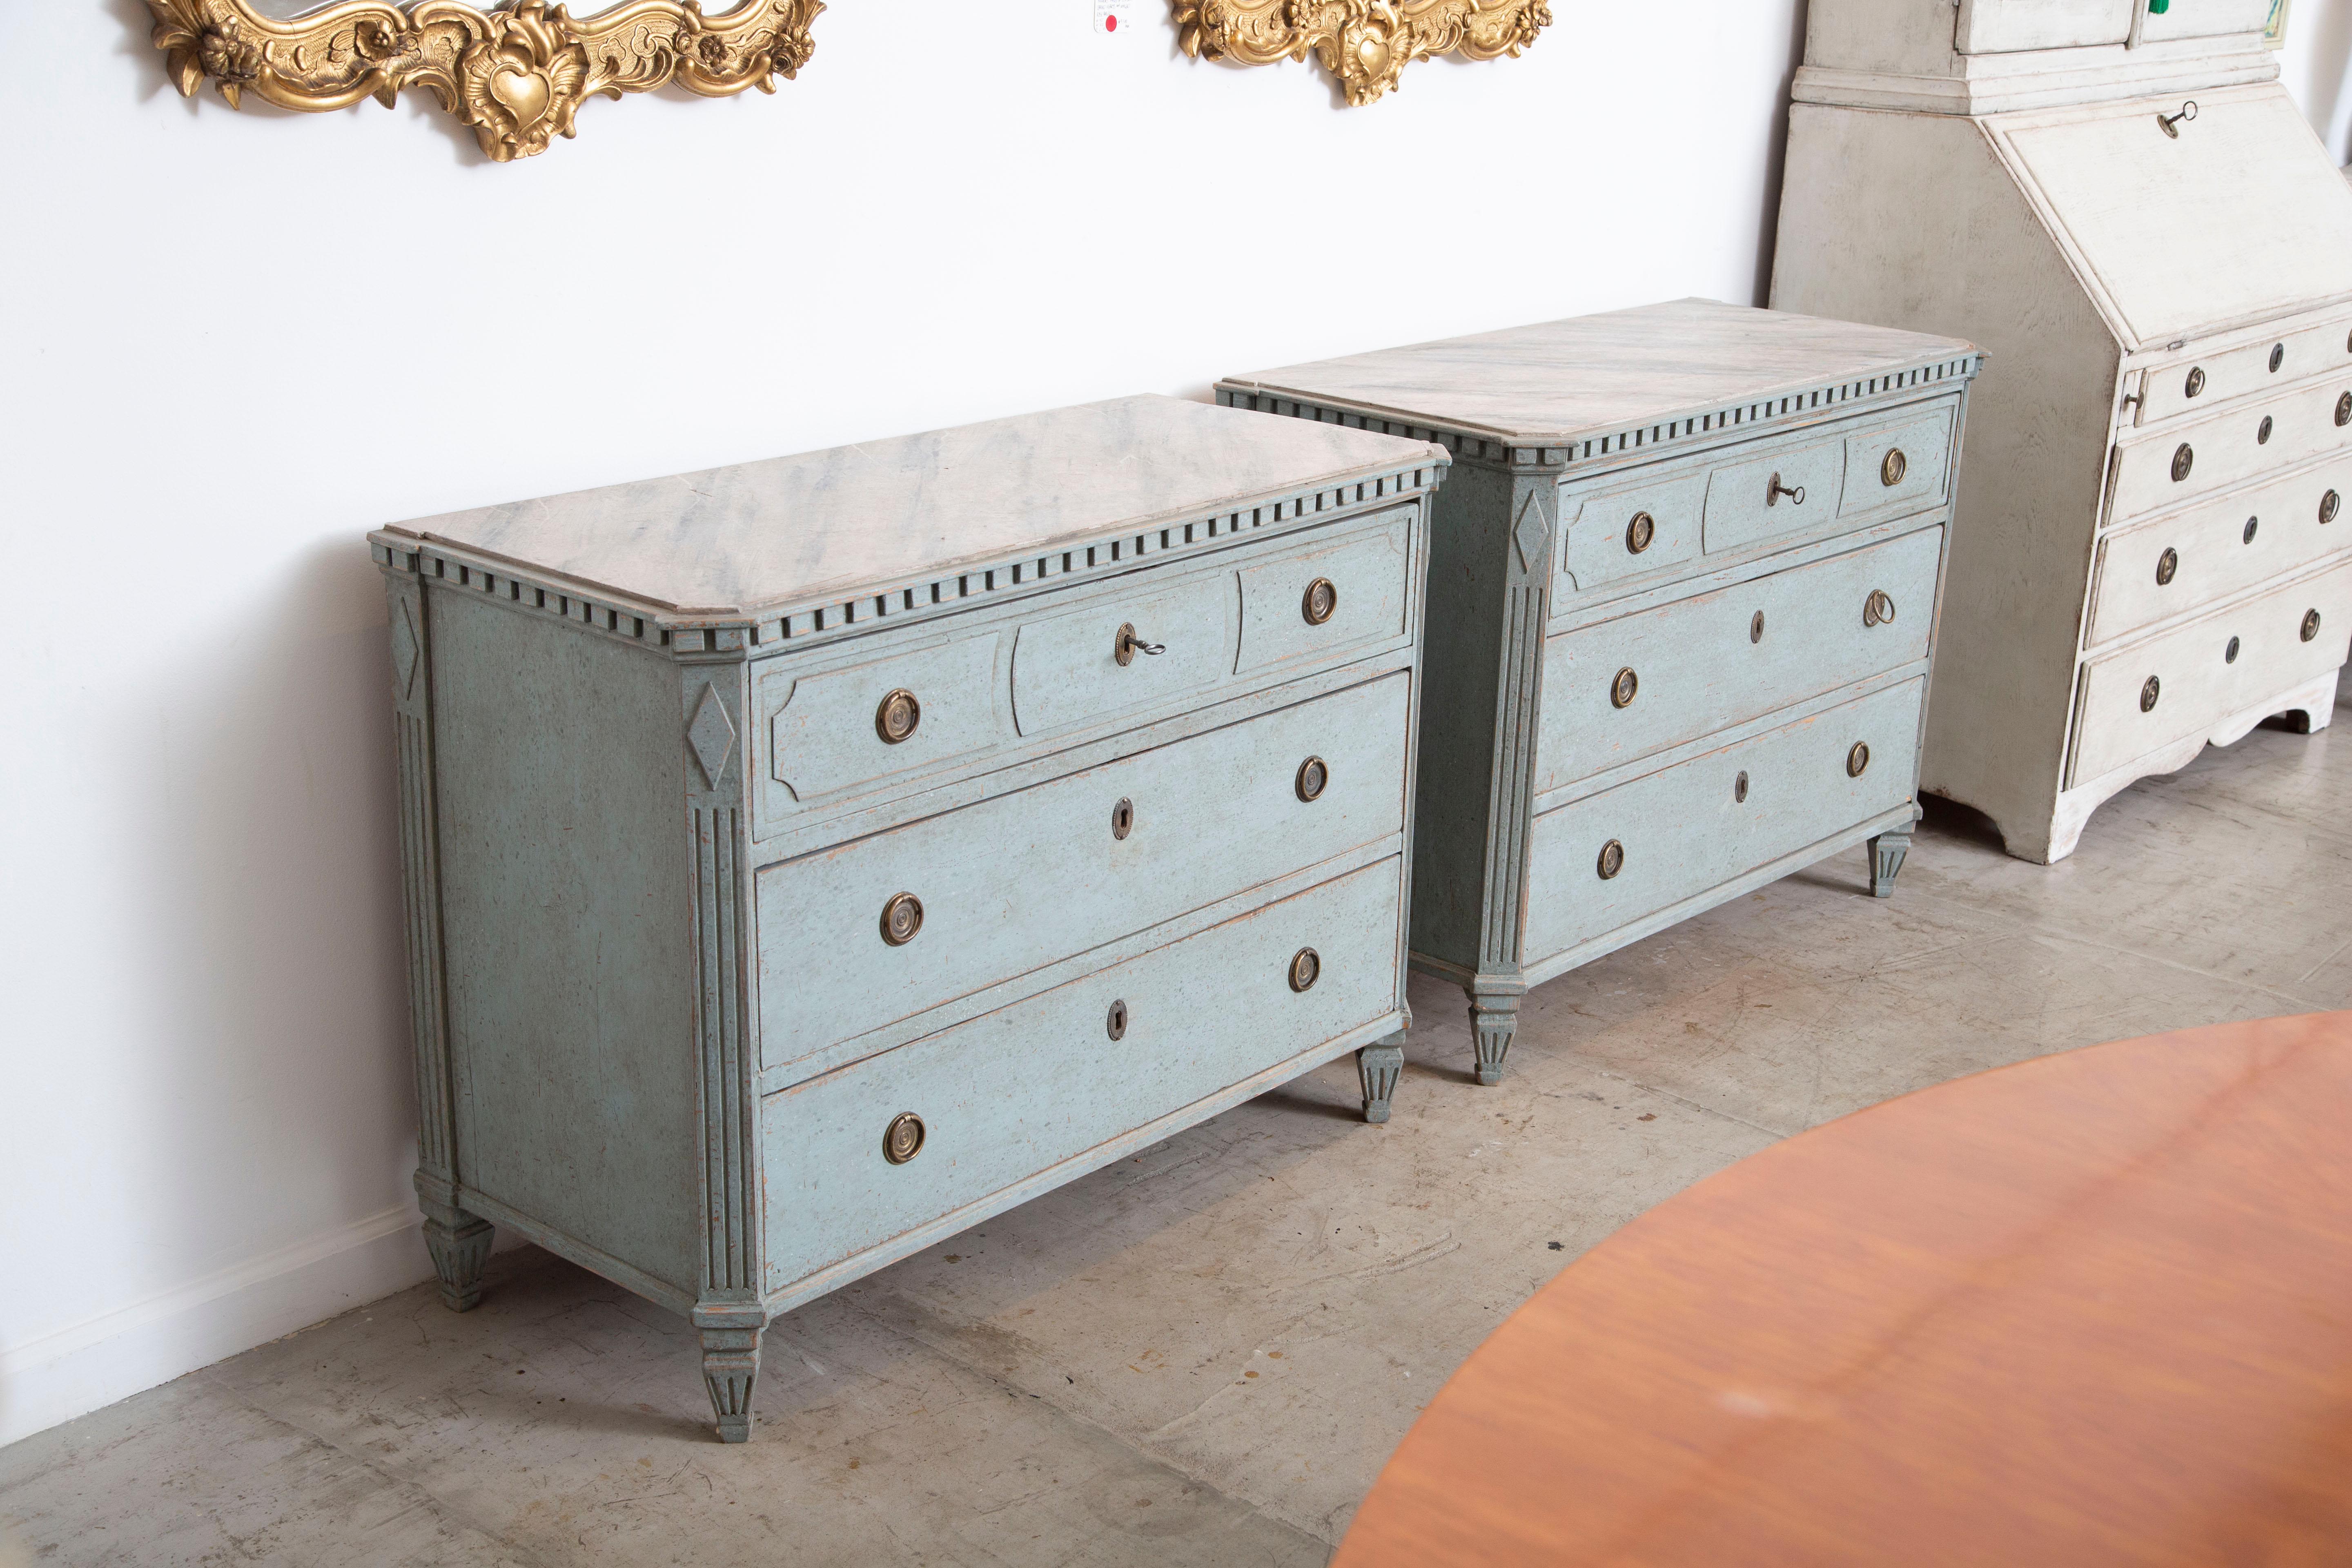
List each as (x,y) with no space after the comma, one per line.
(2154,570)
(1699,823)
(2169,688)
(1005,1097)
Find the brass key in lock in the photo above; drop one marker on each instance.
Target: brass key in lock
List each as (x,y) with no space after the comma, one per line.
(1128,644)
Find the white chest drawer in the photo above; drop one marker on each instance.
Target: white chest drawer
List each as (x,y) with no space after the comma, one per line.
(2176,565)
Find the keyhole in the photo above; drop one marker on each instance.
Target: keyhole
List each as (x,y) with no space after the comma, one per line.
(1740,789)
(1116,1023)
(1756,627)
(1123,818)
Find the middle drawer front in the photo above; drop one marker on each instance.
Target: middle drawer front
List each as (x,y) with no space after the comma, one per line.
(1705,664)
(1686,829)
(2155,693)
(1045,873)
(2171,465)
(2158,570)
(1018,1091)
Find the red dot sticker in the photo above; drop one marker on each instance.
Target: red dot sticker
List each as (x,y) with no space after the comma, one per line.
(1110,23)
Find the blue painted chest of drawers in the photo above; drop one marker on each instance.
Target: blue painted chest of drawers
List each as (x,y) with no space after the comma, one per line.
(807,859)
(1684,587)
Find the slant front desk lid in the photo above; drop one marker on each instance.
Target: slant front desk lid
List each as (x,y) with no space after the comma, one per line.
(1560,382)
(2234,217)
(739,539)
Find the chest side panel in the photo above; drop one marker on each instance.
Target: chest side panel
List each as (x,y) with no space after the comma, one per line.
(565,895)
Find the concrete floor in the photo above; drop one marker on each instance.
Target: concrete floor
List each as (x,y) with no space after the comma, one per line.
(1204,1354)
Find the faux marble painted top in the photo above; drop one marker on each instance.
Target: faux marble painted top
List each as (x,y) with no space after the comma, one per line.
(1561,381)
(871,517)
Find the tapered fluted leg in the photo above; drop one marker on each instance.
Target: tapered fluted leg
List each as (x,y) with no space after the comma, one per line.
(730,1365)
(1887,853)
(1494,1023)
(460,1246)
(1381,1067)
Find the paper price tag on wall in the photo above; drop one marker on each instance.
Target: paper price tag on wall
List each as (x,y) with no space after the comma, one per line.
(1113,15)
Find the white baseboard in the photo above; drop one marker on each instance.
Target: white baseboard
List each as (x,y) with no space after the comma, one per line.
(119,1354)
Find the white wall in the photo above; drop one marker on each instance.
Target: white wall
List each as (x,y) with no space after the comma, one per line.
(234,342)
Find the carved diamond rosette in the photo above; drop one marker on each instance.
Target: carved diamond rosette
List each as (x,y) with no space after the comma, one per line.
(1366,43)
(516,76)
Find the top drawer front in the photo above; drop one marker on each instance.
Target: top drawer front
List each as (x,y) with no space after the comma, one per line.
(1897,468)
(1067,669)
(1286,616)
(2156,469)
(1701,664)
(2195,385)
(839,731)
(1785,490)
(2179,683)
(1036,876)
(1631,530)
(2154,570)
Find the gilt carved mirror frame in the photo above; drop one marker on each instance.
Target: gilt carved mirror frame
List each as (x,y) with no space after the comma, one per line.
(515,74)
(1366,43)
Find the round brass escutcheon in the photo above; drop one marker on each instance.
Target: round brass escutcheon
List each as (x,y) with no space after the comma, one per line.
(1893,466)
(1313,775)
(2166,565)
(902,917)
(1756,627)
(1320,602)
(1115,1024)
(1621,689)
(2343,409)
(2278,357)
(2310,624)
(2183,459)
(2230,654)
(1306,969)
(2196,380)
(2263,432)
(1878,610)
(896,717)
(1739,788)
(2327,505)
(1123,818)
(1640,532)
(903,1139)
(2149,690)
(1857,759)
(1611,861)
(2252,524)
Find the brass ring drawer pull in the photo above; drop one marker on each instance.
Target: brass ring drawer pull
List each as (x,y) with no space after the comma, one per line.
(2184,457)
(1640,532)
(1893,466)
(1756,627)
(1621,689)
(2196,380)
(1123,818)
(903,1139)
(2327,505)
(2230,654)
(2310,624)
(2278,357)
(2343,409)
(1878,610)
(2150,690)
(902,917)
(2167,564)
(1115,1024)
(1128,644)
(1739,788)
(1611,861)
(2263,432)
(1857,759)
(1314,774)
(1306,969)
(896,718)
(1776,490)
(2248,537)
(1320,602)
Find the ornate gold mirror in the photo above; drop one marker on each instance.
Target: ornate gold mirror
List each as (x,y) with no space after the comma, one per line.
(516,74)
(1366,43)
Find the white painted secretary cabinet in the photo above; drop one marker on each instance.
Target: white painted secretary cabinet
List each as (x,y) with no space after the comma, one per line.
(2121,204)
(809,858)
(1682,587)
